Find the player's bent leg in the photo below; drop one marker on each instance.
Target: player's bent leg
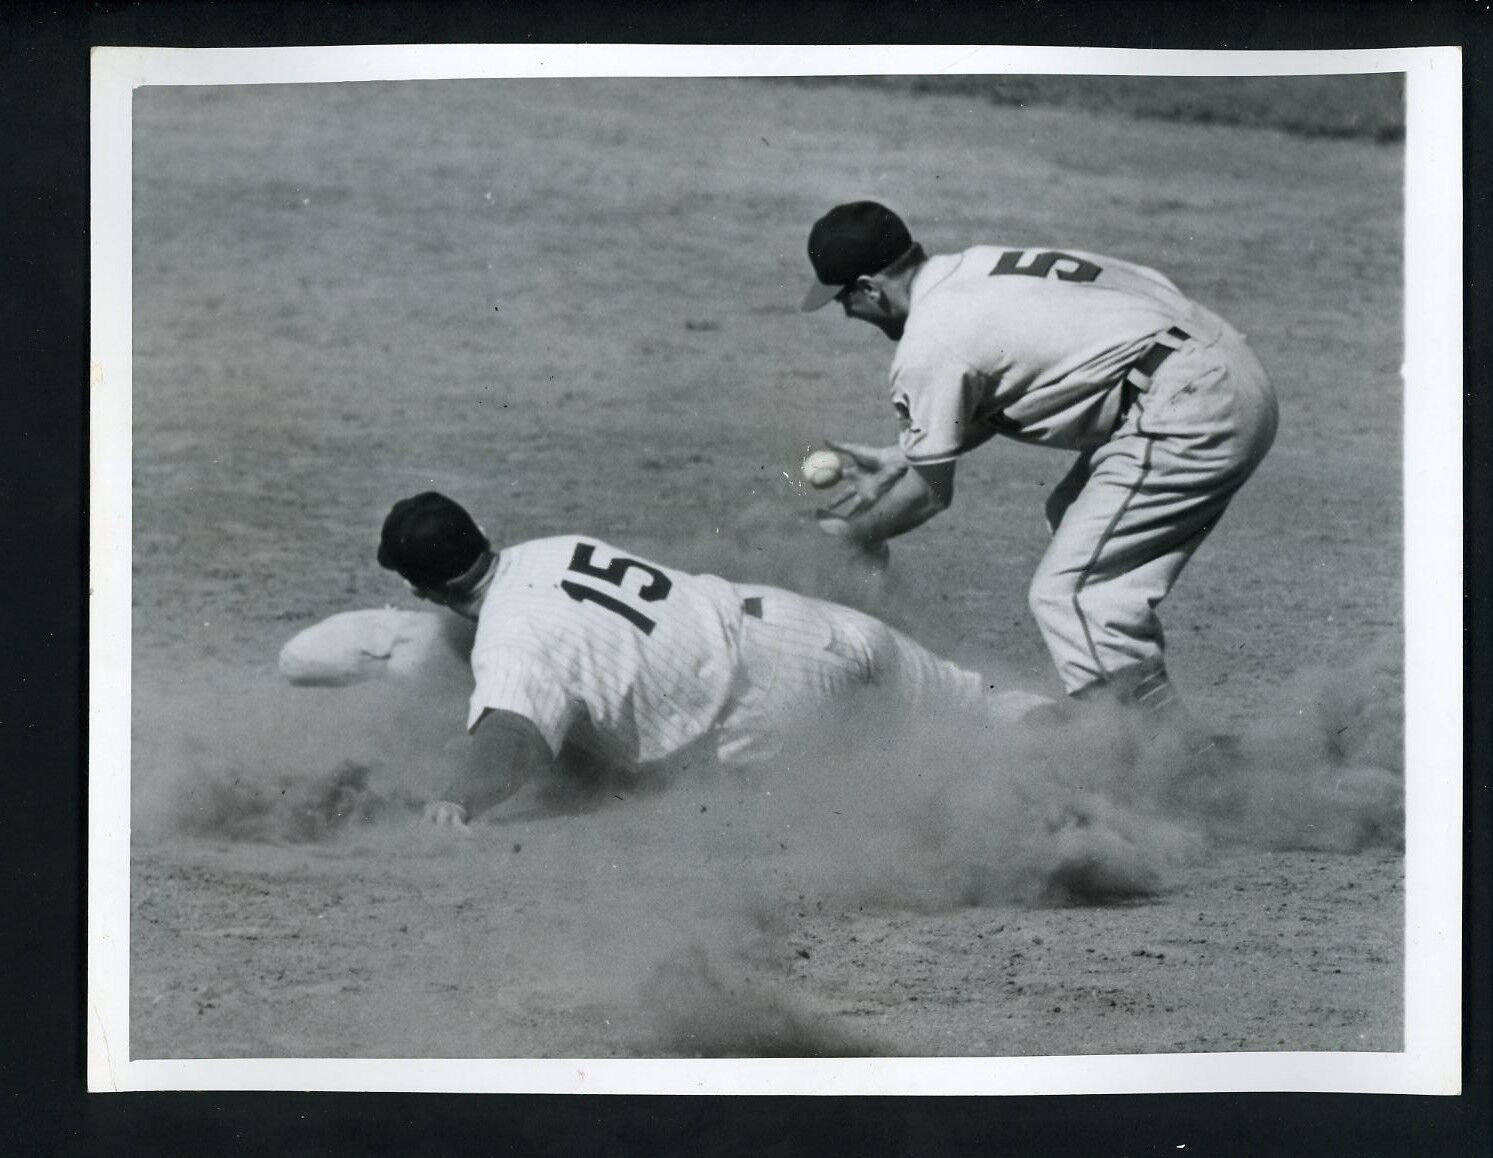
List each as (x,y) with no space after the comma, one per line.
(1069,487)
(354,646)
(1118,551)
(925,683)
(1154,492)
(812,671)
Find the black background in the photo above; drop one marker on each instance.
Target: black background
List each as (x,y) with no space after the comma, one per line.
(43,528)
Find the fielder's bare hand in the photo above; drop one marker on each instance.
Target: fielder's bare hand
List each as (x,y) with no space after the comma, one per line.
(871,472)
(447,814)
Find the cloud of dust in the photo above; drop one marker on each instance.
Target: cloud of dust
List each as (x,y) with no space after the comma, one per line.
(875,811)
(1322,768)
(241,758)
(870,809)
(732,996)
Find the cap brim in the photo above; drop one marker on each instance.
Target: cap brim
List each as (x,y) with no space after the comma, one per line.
(819,295)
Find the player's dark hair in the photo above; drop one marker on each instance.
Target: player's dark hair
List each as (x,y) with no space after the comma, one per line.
(430,540)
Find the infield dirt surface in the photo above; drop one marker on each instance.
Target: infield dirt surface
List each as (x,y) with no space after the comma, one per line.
(572,306)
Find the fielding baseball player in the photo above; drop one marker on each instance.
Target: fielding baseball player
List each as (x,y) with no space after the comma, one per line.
(1169,411)
(584,645)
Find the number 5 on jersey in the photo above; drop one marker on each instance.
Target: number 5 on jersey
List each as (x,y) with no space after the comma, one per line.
(656,589)
(1030,263)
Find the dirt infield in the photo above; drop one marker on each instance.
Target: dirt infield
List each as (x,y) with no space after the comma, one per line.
(571,305)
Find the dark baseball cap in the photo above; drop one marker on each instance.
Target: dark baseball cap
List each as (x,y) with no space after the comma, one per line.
(429,539)
(851,241)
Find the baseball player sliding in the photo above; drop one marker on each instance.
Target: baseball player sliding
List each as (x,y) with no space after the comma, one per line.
(1169,411)
(582,645)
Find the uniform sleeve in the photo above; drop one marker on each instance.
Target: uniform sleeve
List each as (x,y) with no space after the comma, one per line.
(513,680)
(936,395)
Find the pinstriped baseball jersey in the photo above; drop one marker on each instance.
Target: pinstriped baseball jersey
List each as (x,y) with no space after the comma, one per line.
(637,661)
(574,629)
(1031,344)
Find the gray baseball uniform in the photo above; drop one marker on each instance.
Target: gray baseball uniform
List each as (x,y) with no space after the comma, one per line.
(1170,410)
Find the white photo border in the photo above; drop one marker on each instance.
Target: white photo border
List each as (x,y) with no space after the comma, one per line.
(1430,1062)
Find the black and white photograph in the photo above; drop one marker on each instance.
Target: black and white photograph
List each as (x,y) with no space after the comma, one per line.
(879,570)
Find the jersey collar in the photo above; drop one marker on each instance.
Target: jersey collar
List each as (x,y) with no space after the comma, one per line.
(934,272)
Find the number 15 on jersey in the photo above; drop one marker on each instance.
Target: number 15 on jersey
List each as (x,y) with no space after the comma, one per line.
(582,563)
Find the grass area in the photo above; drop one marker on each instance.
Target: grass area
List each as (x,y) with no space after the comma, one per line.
(1367,107)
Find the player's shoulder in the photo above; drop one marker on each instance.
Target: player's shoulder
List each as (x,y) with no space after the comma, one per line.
(983,265)
(533,564)
(952,285)
(557,553)
(943,271)
(1004,277)
(951,309)
(543,550)
(525,590)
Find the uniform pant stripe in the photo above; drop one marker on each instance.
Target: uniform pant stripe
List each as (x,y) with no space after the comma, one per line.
(1104,538)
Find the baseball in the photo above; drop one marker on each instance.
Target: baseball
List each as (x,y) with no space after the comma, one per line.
(822,469)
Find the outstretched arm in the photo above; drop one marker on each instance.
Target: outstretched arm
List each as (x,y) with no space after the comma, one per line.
(889,496)
(506,752)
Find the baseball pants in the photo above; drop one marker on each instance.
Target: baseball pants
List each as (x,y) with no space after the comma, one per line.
(1131,513)
(805,660)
